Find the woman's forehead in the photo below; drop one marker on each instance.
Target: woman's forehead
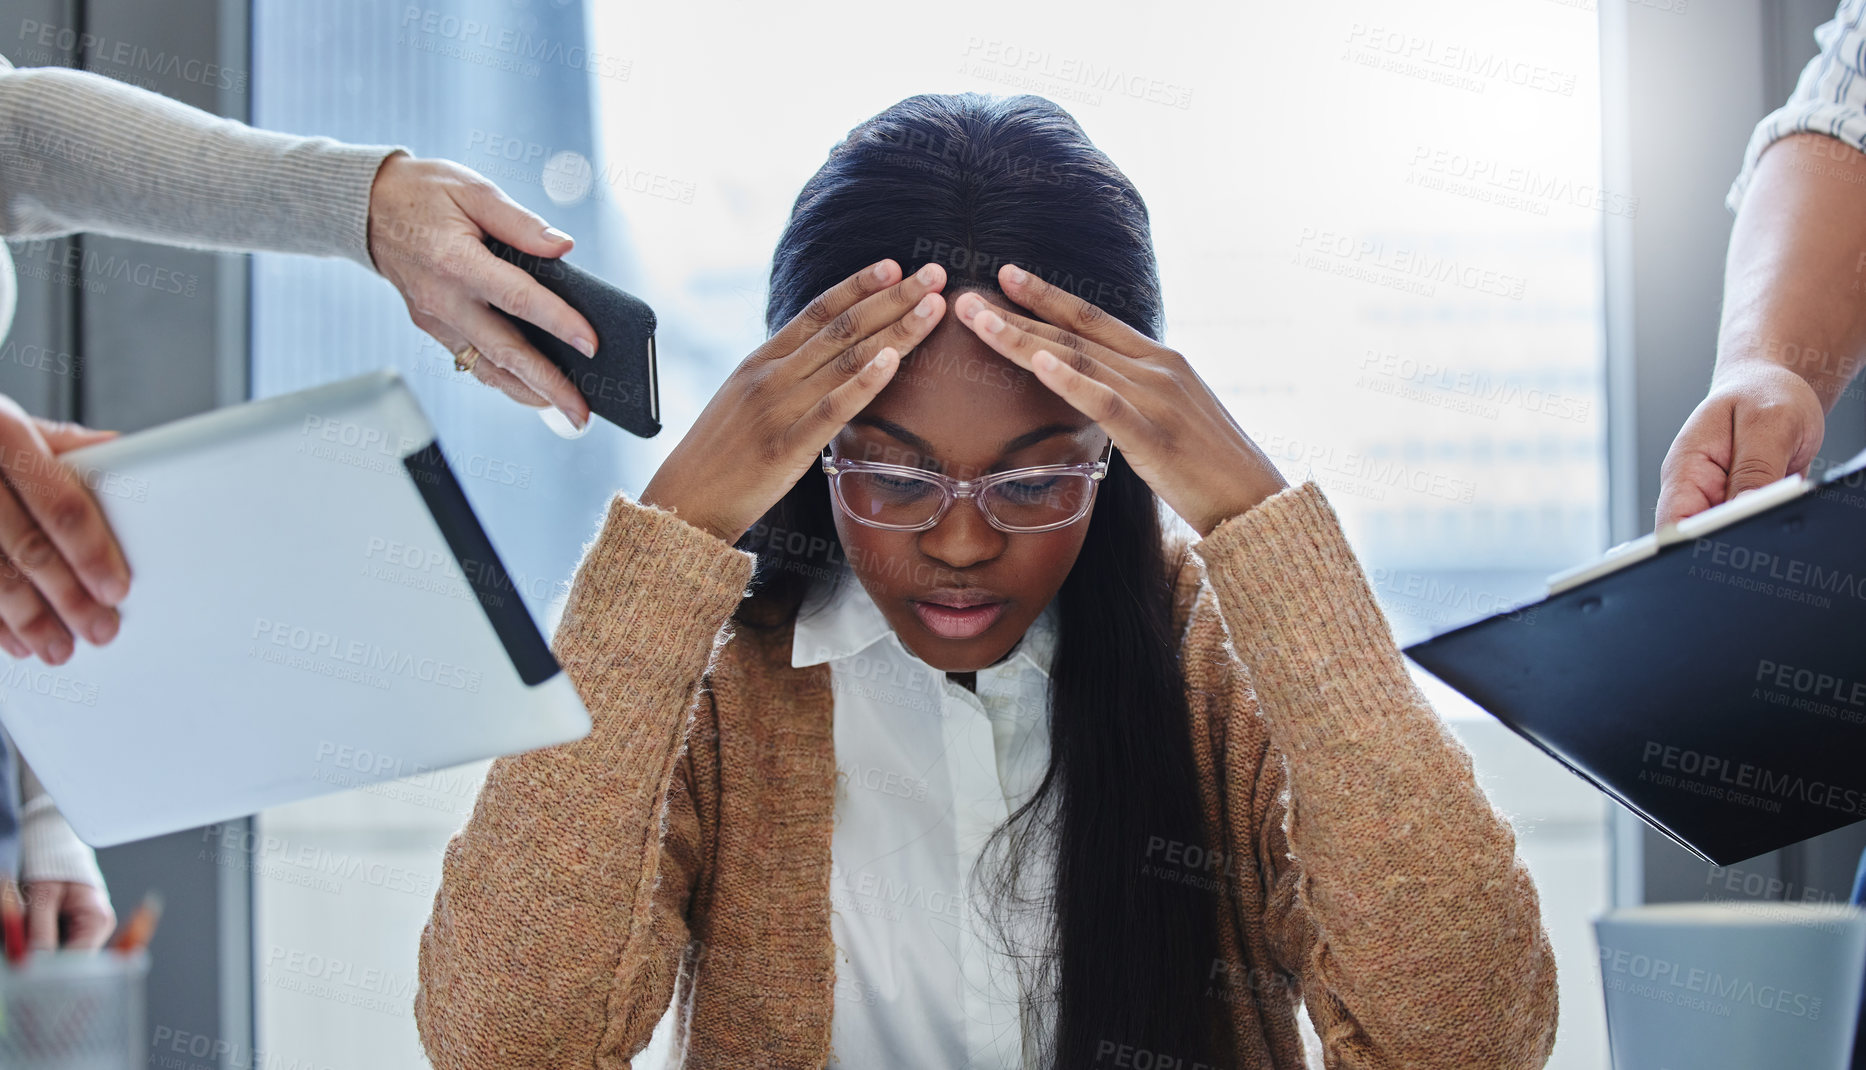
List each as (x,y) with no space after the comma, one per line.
(956,400)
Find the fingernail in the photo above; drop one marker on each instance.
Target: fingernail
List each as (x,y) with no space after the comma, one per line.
(584,346)
(1016,274)
(927,274)
(554,234)
(58,650)
(103,629)
(561,425)
(967,306)
(113,589)
(926,306)
(991,321)
(881,271)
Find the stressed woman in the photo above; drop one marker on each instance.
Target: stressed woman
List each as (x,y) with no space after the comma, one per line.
(919,740)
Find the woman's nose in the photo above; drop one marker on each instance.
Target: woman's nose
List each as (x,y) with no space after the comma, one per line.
(963,537)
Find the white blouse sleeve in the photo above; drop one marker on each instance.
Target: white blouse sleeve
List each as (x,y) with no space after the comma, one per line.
(48,849)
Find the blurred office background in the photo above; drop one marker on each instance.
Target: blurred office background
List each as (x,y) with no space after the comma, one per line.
(1475,305)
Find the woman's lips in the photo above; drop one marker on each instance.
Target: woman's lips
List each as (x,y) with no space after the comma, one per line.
(949,623)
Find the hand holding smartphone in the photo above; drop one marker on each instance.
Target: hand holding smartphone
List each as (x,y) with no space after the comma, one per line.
(619,381)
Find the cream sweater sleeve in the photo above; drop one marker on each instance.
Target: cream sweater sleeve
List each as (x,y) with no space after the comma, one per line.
(79,151)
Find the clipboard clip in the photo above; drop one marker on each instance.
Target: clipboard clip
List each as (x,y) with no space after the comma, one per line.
(1741,507)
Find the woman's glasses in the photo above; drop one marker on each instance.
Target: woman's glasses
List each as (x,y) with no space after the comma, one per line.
(898,498)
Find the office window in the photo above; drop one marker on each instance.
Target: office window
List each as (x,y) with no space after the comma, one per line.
(343,884)
(1379,234)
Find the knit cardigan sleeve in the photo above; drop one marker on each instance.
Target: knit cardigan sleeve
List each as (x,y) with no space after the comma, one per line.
(80,151)
(1392,893)
(558,927)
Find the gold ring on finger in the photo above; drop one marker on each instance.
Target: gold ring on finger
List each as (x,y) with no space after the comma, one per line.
(466,358)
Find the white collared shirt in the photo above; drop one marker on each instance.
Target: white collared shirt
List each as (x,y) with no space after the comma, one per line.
(925,771)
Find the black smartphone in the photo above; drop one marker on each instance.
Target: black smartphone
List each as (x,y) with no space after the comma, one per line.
(619,382)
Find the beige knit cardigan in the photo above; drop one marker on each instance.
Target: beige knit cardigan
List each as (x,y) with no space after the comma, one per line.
(682,849)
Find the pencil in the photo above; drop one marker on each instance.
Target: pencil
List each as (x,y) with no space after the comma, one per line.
(137,932)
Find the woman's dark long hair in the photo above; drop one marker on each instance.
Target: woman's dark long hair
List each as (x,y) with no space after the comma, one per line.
(975,182)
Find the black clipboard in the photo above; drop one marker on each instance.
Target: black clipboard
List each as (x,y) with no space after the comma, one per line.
(1710,677)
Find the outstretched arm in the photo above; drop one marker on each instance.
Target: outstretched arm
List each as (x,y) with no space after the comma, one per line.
(1793,333)
(1794,327)
(82,152)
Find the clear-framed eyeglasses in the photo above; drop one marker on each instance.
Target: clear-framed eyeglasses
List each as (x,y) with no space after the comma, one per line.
(895,497)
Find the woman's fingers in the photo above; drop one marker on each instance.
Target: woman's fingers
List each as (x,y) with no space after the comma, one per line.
(88,917)
(840,405)
(495,376)
(1096,400)
(866,317)
(42,900)
(38,577)
(902,334)
(81,909)
(30,618)
(1059,306)
(58,503)
(63,569)
(507,286)
(1091,386)
(506,383)
(490,374)
(499,342)
(26,612)
(970,305)
(514,224)
(826,306)
(1020,344)
(62,435)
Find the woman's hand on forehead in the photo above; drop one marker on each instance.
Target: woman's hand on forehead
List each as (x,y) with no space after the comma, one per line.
(1168,424)
(772,417)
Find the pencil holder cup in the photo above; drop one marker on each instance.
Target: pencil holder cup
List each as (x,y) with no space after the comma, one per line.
(74,1010)
(1732,985)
